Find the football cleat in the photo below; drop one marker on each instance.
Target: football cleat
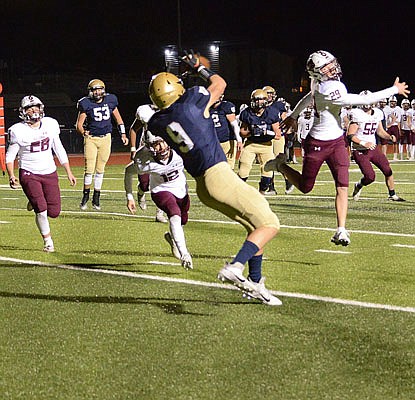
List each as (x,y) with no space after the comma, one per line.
(160,217)
(174,249)
(395,198)
(95,200)
(261,293)
(356,192)
(289,187)
(48,246)
(83,204)
(233,273)
(142,201)
(186,261)
(341,238)
(275,164)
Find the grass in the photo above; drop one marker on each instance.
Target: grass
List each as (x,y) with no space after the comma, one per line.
(86,334)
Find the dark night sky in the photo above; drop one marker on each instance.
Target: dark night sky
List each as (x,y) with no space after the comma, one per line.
(372,42)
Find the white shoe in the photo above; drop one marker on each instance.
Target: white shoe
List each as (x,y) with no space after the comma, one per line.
(233,273)
(142,201)
(275,164)
(160,217)
(395,198)
(356,192)
(289,188)
(95,206)
(48,246)
(174,249)
(342,238)
(187,262)
(261,293)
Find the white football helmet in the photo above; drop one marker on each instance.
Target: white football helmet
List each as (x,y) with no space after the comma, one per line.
(393,99)
(323,66)
(365,107)
(158,147)
(31,101)
(413,103)
(405,104)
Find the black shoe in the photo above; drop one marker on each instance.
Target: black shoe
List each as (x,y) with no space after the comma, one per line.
(95,200)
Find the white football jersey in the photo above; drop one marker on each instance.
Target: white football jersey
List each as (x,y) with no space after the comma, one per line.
(413,119)
(367,125)
(34,146)
(406,119)
(303,127)
(167,176)
(395,114)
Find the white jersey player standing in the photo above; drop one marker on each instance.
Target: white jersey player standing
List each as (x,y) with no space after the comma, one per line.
(168,189)
(33,140)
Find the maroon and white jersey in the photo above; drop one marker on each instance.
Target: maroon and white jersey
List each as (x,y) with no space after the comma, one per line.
(329,97)
(393,114)
(34,146)
(164,176)
(412,120)
(406,119)
(367,125)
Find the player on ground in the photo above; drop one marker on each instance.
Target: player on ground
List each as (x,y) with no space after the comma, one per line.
(326,141)
(184,122)
(33,140)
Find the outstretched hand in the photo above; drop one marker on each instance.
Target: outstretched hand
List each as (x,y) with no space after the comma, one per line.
(402,87)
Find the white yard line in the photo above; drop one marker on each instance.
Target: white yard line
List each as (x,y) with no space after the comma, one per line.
(209,284)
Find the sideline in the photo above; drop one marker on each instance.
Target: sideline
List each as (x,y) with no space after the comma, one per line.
(210,284)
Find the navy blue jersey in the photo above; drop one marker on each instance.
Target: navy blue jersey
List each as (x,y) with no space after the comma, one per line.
(222,125)
(259,126)
(185,128)
(98,115)
(278,107)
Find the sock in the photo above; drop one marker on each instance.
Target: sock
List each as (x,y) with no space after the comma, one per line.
(99,177)
(255,267)
(42,223)
(177,232)
(247,251)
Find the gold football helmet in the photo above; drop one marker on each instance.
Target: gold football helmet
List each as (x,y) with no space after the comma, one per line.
(272,94)
(164,89)
(259,99)
(93,85)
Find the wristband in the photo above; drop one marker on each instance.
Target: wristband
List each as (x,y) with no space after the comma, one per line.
(121,129)
(205,73)
(130,196)
(133,149)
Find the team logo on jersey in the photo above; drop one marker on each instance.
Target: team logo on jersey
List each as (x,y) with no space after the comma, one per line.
(317,148)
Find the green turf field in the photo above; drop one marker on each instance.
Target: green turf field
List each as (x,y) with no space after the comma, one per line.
(112,315)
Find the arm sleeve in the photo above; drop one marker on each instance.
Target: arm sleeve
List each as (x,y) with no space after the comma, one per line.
(357,99)
(301,105)
(236,130)
(12,151)
(60,150)
(129,173)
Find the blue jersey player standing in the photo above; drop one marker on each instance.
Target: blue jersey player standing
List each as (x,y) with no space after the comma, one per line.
(94,124)
(184,122)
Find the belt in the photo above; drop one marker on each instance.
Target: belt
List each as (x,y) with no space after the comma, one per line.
(100,136)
